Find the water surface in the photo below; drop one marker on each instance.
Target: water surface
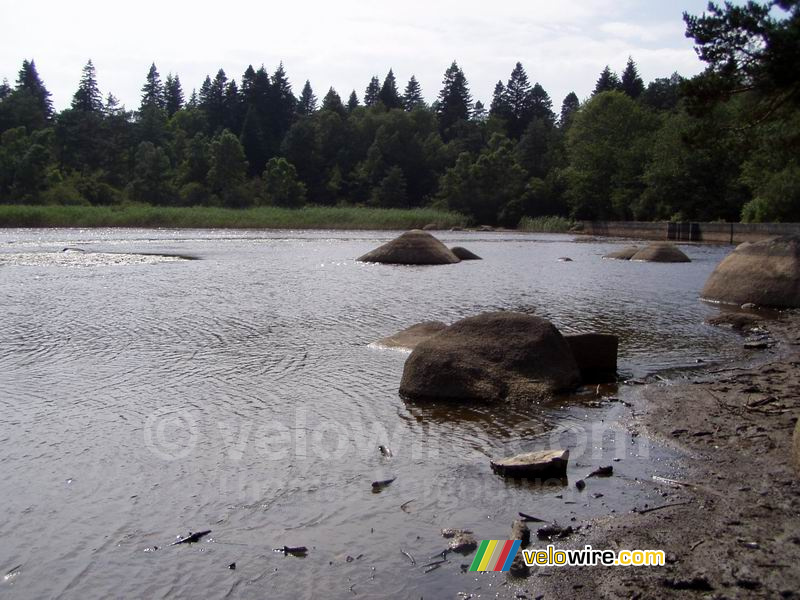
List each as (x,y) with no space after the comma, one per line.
(144,398)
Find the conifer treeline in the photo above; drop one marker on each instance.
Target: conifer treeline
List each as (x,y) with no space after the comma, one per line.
(630,151)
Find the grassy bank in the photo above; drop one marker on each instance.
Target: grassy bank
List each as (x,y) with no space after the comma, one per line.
(269,217)
(545,224)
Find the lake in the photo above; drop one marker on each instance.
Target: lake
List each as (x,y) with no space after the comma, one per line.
(144,397)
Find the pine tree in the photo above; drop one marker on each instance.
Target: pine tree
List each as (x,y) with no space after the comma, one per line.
(213,95)
(631,83)
(568,108)
(518,100)
(282,104)
(193,100)
(112,106)
(541,105)
(412,96)
(333,102)
(455,101)
(479,112)
(307,103)
(173,94)
(499,106)
(5,89)
(248,83)
(372,92)
(608,82)
(88,97)
(152,90)
(352,102)
(29,81)
(389,94)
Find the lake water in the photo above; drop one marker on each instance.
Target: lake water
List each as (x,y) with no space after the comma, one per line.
(145,397)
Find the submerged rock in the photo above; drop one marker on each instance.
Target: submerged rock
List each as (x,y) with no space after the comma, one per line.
(596,355)
(765,273)
(464,254)
(412,248)
(661,252)
(409,338)
(624,254)
(533,465)
(491,357)
(734,320)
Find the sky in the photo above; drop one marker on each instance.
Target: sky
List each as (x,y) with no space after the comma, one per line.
(562,45)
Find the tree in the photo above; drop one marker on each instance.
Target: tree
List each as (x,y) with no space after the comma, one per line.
(151,176)
(227,166)
(307,103)
(372,93)
(500,106)
(479,112)
(412,96)
(29,81)
(252,141)
(455,101)
(282,104)
(391,192)
(352,102)
(663,93)
(281,185)
(517,96)
(152,90)
(569,107)
(333,102)
(748,48)
(389,94)
(88,97)
(541,107)
(607,146)
(489,188)
(631,83)
(608,82)
(5,89)
(28,105)
(173,94)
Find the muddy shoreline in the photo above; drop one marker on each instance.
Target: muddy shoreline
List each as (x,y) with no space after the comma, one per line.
(730,523)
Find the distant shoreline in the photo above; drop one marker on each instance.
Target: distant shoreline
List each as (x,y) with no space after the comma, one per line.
(268,217)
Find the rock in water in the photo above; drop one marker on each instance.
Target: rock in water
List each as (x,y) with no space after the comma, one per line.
(661,252)
(533,465)
(491,357)
(766,273)
(624,254)
(409,338)
(596,355)
(463,543)
(464,254)
(412,248)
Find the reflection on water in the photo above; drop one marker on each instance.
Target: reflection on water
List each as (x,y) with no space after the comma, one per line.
(238,393)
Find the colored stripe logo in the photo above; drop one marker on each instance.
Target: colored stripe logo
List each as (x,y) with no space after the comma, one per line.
(495,555)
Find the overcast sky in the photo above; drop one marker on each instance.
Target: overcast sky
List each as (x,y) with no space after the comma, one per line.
(563,45)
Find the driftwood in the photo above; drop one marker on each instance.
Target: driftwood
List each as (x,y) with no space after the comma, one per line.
(192,538)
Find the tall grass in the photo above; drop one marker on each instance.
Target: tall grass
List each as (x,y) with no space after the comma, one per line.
(545,224)
(268,217)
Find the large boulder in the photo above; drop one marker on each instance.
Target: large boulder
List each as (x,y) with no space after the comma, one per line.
(491,357)
(625,254)
(409,338)
(414,247)
(596,355)
(766,273)
(464,254)
(661,252)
